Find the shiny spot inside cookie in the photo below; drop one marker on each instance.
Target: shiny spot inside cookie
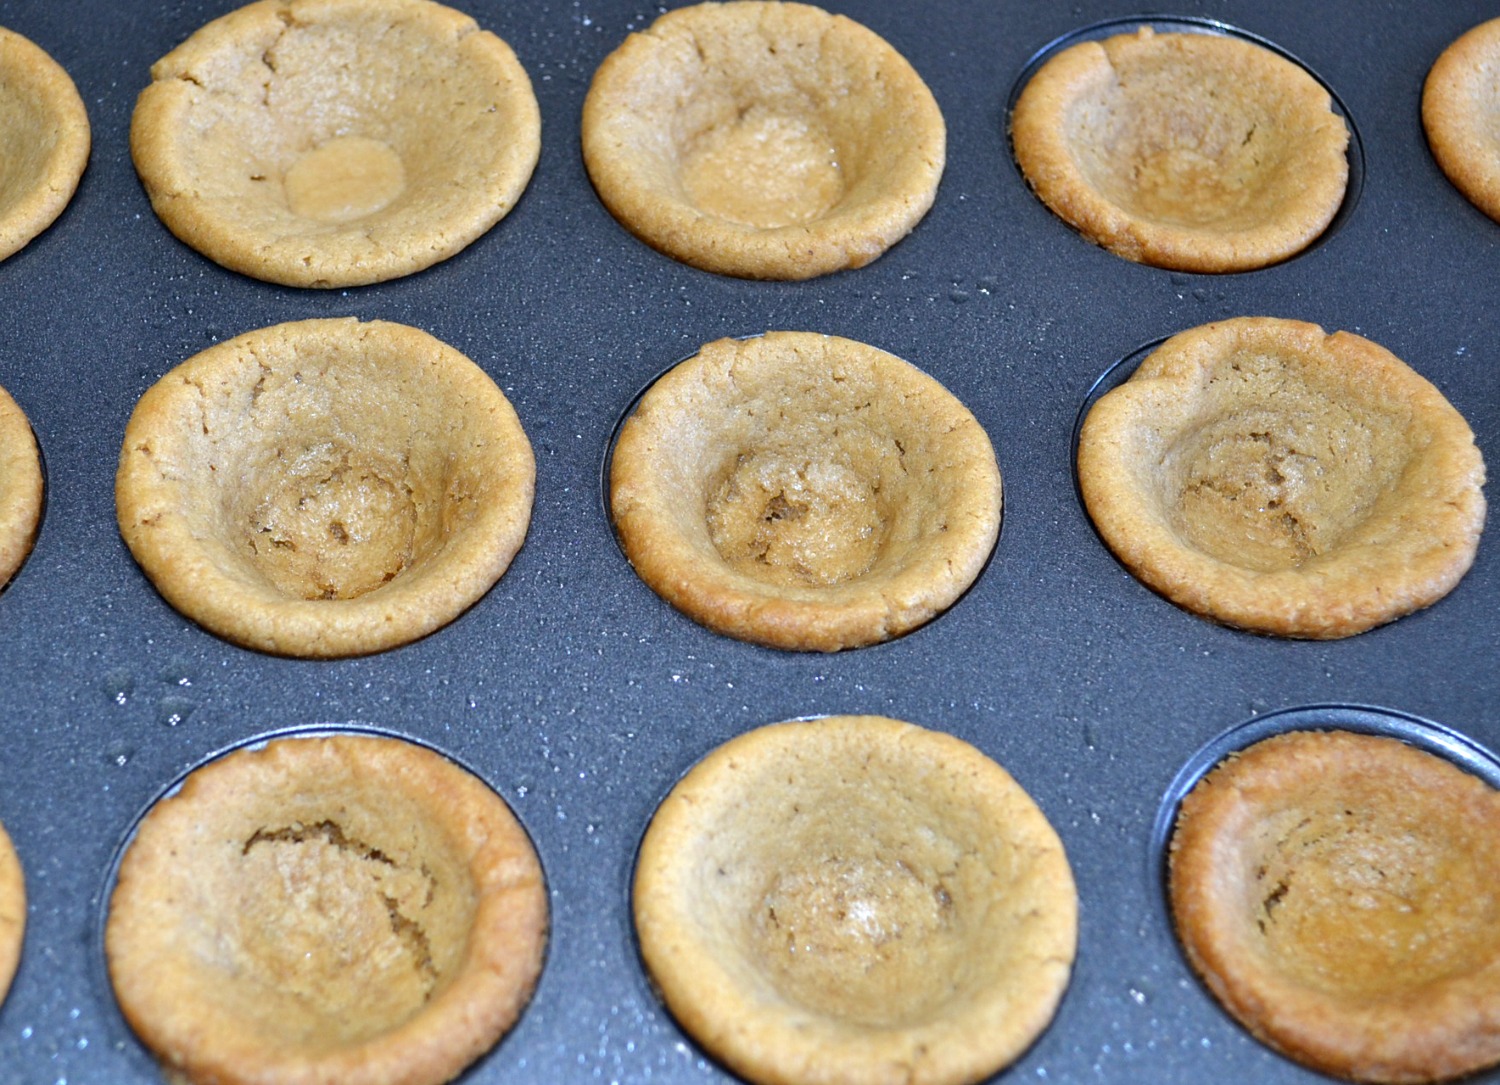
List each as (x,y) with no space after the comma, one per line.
(764,169)
(863,938)
(344,179)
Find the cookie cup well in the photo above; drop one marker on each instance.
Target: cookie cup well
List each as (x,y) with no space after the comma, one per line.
(330,143)
(1196,152)
(1273,477)
(766,140)
(855,900)
(1339,894)
(352,909)
(325,487)
(804,491)
(44,140)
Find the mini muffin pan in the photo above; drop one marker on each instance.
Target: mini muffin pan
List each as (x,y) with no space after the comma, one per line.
(578,694)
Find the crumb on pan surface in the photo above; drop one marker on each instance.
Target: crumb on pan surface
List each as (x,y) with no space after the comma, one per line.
(804,491)
(325,487)
(855,900)
(331,143)
(21,487)
(1340,895)
(1461,115)
(352,908)
(1196,152)
(766,140)
(1280,479)
(44,140)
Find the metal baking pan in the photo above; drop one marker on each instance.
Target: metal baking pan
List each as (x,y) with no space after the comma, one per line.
(575,691)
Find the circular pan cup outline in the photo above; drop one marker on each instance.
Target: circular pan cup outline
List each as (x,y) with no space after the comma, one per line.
(1192,24)
(114,1017)
(606,505)
(1423,734)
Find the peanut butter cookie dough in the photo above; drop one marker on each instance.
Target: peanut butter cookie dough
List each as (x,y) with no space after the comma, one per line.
(1461,114)
(1340,895)
(1196,152)
(855,900)
(1271,476)
(766,140)
(12,912)
(804,491)
(20,487)
(330,143)
(325,487)
(348,909)
(44,141)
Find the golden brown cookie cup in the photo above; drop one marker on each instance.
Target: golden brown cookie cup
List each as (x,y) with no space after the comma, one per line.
(855,900)
(44,141)
(12,912)
(20,487)
(1461,115)
(1195,152)
(330,143)
(325,487)
(1276,478)
(1338,893)
(804,491)
(763,140)
(349,909)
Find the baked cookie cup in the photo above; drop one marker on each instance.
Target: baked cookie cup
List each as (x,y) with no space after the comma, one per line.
(21,487)
(12,912)
(325,487)
(1273,477)
(1194,152)
(766,140)
(351,909)
(332,143)
(1461,115)
(852,901)
(1339,893)
(44,140)
(804,491)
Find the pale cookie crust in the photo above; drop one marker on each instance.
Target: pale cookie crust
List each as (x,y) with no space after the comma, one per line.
(325,487)
(330,143)
(1340,895)
(1273,477)
(1197,152)
(12,912)
(44,141)
(853,901)
(764,140)
(1461,114)
(804,491)
(20,487)
(347,909)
